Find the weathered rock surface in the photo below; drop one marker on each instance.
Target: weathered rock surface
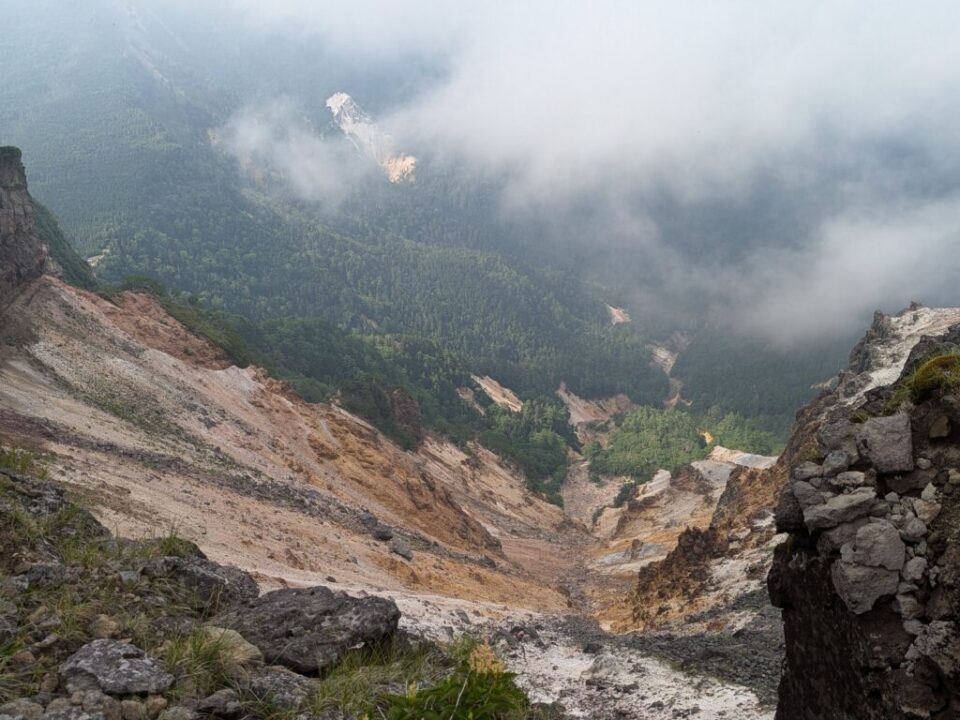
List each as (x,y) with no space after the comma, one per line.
(22,254)
(839,509)
(869,585)
(887,443)
(114,667)
(215,585)
(281,686)
(307,630)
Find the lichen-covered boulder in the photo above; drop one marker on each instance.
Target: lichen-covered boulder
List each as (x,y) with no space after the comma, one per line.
(308,629)
(114,667)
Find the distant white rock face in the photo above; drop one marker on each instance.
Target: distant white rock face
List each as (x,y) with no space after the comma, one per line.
(360,129)
(880,356)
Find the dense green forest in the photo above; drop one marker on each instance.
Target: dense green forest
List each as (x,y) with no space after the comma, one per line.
(648,439)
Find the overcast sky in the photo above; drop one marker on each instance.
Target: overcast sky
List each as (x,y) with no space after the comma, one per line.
(849,108)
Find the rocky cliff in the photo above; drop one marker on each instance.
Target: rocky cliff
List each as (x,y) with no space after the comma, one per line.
(22,254)
(869,575)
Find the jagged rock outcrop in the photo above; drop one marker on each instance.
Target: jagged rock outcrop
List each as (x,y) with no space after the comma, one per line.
(869,578)
(22,255)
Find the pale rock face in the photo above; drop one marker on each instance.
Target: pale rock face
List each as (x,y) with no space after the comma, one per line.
(370,139)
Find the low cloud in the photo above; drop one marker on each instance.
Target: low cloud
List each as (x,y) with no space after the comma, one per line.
(817,145)
(277,140)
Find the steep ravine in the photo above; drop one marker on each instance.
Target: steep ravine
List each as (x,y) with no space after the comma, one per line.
(150,428)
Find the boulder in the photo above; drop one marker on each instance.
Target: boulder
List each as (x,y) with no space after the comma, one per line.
(839,435)
(926,510)
(807,470)
(914,569)
(382,533)
(878,544)
(839,509)
(21,709)
(223,703)
(913,530)
(835,462)
(806,494)
(308,629)
(887,443)
(860,587)
(281,687)
(848,478)
(399,547)
(61,709)
(788,514)
(215,585)
(846,533)
(235,652)
(114,667)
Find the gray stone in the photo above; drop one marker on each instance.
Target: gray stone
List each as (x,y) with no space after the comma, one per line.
(132,710)
(806,494)
(849,478)
(21,709)
(891,497)
(839,435)
(937,641)
(215,585)
(912,627)
(839,509)
(914,569)
(878,544)
(382,532)
(930,493)
(223,703)
(178,712)
(308,629)
(45,574)
(953,476)
(908,607)
(924,463)
(835,538)
(860,587)
(114,667)
(913,530)
(281,687)
(926,511)
(886,442)
(835,462)
(70,712)
(399,547)
(807,470)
